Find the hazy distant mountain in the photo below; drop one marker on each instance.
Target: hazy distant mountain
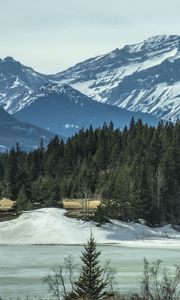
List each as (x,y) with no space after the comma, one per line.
(64,110)
(142,77)
(13,131)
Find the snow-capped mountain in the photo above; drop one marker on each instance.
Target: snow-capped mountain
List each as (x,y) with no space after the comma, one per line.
(13,131)
(64,110)
(17,83)
(142,77)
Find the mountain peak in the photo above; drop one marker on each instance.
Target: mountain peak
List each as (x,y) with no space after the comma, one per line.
(154,43)
(163,41)
(141,77)
(161,38)
(9,59)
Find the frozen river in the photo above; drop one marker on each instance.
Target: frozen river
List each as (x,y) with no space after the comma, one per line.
(39,239)
(23,266)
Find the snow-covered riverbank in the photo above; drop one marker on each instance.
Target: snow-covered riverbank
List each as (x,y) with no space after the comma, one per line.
(50,226)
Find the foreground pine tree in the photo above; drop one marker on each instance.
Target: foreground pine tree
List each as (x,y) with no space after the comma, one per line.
(91,284)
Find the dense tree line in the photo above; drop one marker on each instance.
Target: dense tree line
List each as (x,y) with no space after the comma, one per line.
(136,172)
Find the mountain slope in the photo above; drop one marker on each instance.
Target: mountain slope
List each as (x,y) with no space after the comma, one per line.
(64,110)
(13,131)
(16,83)
(142,77)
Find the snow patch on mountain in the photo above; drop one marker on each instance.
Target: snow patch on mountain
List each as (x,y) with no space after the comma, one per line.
(143,77)
(17,83)
(101,77)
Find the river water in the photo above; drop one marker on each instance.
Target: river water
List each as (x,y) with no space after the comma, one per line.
(22,267)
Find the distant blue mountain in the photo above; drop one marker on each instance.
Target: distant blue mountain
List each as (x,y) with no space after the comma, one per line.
(64,110)
(26,135)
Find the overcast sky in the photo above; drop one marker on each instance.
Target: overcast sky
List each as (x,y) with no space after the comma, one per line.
(51,35)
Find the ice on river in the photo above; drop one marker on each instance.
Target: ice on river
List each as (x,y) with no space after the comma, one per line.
(51,226)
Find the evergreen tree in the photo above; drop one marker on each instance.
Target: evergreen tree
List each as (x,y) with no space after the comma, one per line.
(91,284)
(54,195)
(11,174)
(23,202)
(135,171)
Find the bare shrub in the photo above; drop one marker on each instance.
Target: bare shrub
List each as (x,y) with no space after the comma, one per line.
(61,279)
(158,283)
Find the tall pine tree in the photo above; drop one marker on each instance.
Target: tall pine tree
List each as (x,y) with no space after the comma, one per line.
(91,285)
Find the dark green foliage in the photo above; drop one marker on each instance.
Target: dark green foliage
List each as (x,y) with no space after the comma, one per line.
(11,174)
(23,203)
(91,284)
(68,281)
(100,216)
(136,171)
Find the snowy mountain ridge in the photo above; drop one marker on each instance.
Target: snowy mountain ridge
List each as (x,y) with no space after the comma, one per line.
(17,84)
(143,77)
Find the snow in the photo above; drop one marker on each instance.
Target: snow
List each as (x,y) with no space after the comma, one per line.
(164,98)
(96,58)
(67,126)
(16,83)
(112,55)
(51,226)
(159,101)
(3,148)
(107,80)
(83,87)
(135,47)
(156,39)
(157,60)
(108,71)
